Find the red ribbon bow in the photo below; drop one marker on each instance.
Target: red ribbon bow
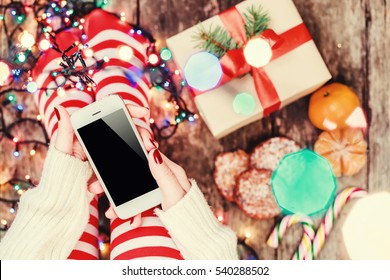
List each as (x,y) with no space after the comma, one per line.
(233,63)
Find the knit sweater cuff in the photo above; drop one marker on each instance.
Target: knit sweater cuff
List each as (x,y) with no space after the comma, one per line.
(52,216)
(61,171)
(196,231)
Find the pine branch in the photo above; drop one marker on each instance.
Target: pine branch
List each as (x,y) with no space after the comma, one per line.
(256,21)
(216,41)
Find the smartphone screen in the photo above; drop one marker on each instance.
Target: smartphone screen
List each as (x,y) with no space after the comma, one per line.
(118,157)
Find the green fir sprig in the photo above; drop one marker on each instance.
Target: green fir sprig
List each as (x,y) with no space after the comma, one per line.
(256,21)
(218,41)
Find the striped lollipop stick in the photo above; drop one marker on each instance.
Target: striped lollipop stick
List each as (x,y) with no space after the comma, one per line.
(308,233)
(331,215)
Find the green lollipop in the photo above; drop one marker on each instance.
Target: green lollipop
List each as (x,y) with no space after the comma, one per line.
(304,183)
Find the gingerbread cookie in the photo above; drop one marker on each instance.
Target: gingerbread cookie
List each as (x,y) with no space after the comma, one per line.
(253,194)
(227,167)
(268,154)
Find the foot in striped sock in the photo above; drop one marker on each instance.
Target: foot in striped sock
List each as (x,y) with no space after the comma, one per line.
(72,99)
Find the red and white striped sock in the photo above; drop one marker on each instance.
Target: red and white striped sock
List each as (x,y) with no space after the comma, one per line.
(107,34)
(72,100)
(148,241)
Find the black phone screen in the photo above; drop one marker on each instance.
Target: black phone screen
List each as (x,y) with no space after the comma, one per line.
(118,157)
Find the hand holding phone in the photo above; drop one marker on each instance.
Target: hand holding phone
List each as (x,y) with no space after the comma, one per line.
(171,178)
(117,154)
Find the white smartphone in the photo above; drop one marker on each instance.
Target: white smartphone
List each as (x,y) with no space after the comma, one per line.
(116,153)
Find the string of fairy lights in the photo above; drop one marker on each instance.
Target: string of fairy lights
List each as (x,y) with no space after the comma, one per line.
(22,50)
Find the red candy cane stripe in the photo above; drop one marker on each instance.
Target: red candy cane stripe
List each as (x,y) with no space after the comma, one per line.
(308,233)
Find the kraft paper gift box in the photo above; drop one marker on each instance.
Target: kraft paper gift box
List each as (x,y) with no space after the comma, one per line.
(295,69)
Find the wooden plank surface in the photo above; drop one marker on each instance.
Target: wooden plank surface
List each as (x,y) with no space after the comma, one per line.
(378,89)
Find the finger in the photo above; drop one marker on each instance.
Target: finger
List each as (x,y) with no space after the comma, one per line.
(171,189)
(95,188)
(136,222)
(179,172)
(137,111)
(78,150)
(110,213)
(64,139)
(149,142)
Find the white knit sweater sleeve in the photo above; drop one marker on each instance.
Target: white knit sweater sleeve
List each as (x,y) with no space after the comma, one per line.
(51,217)
(196,231)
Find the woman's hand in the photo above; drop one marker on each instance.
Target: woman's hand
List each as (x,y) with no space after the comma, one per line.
(170,177)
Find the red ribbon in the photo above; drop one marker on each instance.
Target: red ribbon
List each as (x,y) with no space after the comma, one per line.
(234,65)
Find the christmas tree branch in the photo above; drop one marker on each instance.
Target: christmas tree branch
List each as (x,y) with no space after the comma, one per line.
(256,21)
(217,41)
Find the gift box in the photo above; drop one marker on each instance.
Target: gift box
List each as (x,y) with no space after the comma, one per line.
(260,75)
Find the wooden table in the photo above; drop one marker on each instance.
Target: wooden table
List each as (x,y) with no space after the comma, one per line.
(351,36)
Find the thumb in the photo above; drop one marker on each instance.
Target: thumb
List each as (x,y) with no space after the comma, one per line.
(171,190)
(64,138)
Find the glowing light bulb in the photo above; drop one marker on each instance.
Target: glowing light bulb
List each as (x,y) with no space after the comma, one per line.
(151,120)
(123,16)
(39,117)
(220,218)
(165,54)
(32,87)
(153,59)
(15,139)
(5,72)
(33,152)
(88,53)
(257,52)
(21,57)
(248,234)
(16,187)
(27,39)
(60,91)
(27,177)
(44,45)
(16,153)
(125,53)
(12,210)
(20,107)
(4,222)
(20,18)
(79,85)
(11,98)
